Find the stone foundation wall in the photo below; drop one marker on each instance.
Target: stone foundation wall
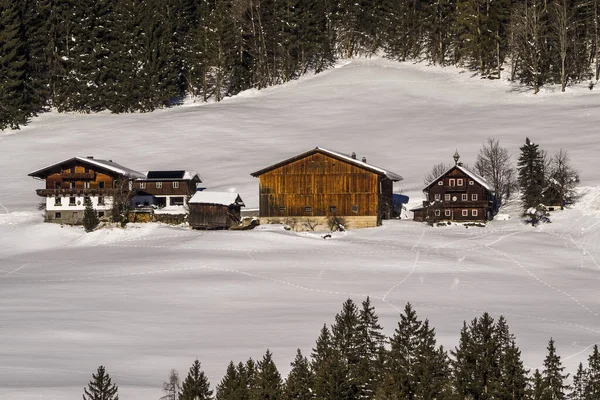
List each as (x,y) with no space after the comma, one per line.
(72,217)
(319,224)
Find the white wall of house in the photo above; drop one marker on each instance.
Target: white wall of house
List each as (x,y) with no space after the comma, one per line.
(51,204)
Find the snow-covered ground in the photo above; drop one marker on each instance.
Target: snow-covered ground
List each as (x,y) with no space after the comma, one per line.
(151,297)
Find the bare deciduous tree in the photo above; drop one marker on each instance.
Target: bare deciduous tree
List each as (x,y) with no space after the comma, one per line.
(493,163)
(562,179)
(435,172)
(171,387)
(560,22)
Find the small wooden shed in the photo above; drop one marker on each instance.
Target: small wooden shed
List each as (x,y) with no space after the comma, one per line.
(214,210)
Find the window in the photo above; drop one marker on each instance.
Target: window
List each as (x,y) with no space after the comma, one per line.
(159,185)
(471,183)
(72,170)
(474,213)
(464,197)
(72,185)
(57,201)
(100,185)
(71,201)
(447,197)
(86,185)
(459,182)
(175,185)
(440,183)
(474,197)
(100,200)
(57,215)
(86,170)
(282,209)
(176,201)
(451,182)
(437,213)
(86,199)
(355,209)
(307,209)
(57,185)
(465,213)
(438,197)
(447,213)
(142,185)
(100,214)
(332,209)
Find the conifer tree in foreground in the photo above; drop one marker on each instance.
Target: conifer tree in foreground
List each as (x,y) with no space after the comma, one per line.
(101,387)
(531,180)
(592,387)
(371,351)
(267,384)
(237,382)
(90,216)
(196,385)
(300,381)
(553,379)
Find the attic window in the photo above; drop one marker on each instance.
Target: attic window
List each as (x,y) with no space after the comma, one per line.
(459,182)
(282,209)
(159,185)
(175,185)
(440,183)
(452,182)
(307,209)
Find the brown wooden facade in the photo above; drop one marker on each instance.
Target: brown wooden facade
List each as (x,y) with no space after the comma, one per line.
(214,216)
(322,183)
(457,195)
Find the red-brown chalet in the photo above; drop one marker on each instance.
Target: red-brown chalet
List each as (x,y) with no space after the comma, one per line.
(457,195)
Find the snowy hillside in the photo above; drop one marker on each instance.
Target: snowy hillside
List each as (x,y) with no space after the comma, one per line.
(150,298)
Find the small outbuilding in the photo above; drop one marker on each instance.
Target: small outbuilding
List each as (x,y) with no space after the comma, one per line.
(215,210)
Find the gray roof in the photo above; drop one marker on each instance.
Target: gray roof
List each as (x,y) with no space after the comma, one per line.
(477,178)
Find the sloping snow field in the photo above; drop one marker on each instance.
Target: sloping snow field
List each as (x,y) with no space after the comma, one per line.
(150,298)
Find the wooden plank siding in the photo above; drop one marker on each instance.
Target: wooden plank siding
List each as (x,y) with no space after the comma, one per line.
(82,174)
(310,186)
(213,216)
(186,187)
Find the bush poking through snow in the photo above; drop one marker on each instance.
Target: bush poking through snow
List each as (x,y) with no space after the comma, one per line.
(336,223)
(535,215)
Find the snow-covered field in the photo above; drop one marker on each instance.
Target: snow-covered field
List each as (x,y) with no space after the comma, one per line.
(150,298)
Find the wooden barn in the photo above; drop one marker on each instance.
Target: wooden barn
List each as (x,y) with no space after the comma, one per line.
(214,210)
(318,184)
(457,195)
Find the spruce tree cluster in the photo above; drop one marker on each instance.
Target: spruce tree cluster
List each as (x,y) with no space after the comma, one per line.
(139,55)
(353,360)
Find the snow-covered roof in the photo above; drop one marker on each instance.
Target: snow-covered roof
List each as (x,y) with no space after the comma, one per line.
(222,198)
(109,165)
(161,175)
(477,178)
(345,157)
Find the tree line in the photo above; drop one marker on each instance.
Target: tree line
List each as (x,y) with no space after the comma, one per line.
(353,359)
(139,55)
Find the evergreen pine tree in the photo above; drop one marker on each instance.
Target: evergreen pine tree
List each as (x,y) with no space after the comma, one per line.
(531,175)
(196,385)
(579,384)
(233,385)
(537,386)
(592,387)
(330,372)
(553,379)
(300,382)
(371,342)
(101,387)
(513,374)
(13,103)
(345,331)
(90,216)
(267,384)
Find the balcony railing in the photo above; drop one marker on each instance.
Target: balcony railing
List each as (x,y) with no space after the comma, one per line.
(76,192)
(77,175)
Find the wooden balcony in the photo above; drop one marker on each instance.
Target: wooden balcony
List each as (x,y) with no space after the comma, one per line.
(75,192)
(77,175)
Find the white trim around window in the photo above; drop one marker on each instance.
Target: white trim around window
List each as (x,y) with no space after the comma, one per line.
(447,197)
(465,197)
(440,183)
(474,213)
(452,182)
(447,213)
(159,185)
(437,197)
(465,213)
(142,185)
(459,182)
(175,185)
(474,197)
(437,213)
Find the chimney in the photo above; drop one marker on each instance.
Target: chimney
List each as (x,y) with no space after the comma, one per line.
(354,155)
(90,157)
(364,159)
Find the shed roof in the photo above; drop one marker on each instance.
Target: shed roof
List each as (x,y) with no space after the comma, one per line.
(341,156)
(109,165)
(222,198)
